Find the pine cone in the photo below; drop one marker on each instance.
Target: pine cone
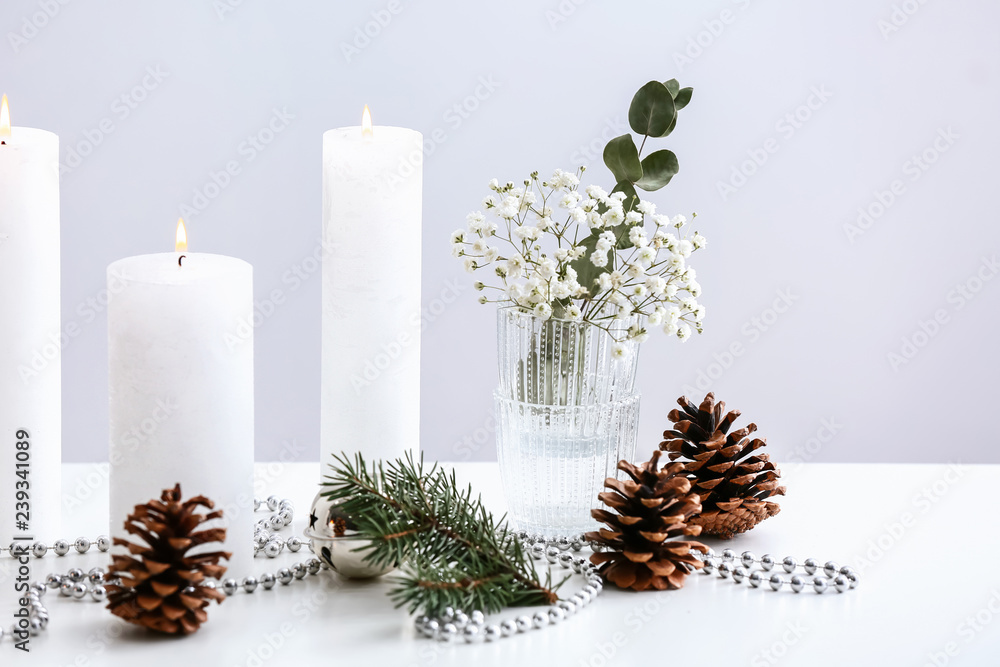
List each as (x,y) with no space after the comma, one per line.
(732,484)
(651,509)
(162,587)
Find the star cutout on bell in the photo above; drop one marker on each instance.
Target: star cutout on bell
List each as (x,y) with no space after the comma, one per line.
(312,520)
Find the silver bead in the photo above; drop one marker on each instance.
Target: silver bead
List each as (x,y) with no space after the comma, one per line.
(810,565)
(18,549)
(293,544)
(747,559)
(449,632)
(432,628)
(250,584)
(709,567)
(103,543)
(830,569)
(819,584)
(275,522)
(852,577)
(567,606)
(285,516)
(299,570)
(725,569)
(536,550)
(508,628)
(566,559)
(34,627)
(789,564)
(766,562)
(556,615)
(797,583)
(523,623)
(710,553)
(461,619)
(75,574)
(272,502)
(53,581)
(61,547)
(578,564)
(286,506)
(577,544)
(82,545)
(98,594)
(39,589)
(551,554)
(539,620)
(491,633)
(79,590)
(285,576)
(95,578)
(471,634)
(563,543)
(230,586)
(448,615)
(272,549)
(256,504)
(776,582)
(840,583)
(739,574)
(313,566)
(728,555)
(591,590)
(580,599)
(267,581)
(38,549)
(477,617)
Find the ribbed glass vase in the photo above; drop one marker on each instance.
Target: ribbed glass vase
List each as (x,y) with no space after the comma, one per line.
(554,459)
(560,362)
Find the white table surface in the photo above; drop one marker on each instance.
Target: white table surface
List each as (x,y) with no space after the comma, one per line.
(925,539)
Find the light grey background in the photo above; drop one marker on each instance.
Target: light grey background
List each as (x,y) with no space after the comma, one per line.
(541,85)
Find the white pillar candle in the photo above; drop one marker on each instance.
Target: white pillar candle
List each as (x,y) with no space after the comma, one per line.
(372,184)
(30,369)
(181,387)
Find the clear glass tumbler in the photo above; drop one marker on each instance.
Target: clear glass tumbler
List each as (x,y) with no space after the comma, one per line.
(554,459)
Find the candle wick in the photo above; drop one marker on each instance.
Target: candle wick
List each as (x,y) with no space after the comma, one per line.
(180,259)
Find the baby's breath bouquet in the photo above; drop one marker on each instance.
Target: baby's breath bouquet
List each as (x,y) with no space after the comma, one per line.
(593,256)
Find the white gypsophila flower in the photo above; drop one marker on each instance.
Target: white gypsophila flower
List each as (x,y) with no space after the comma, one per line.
(656,317)
(670,291)
(515,266)
(480,245)
(618,351)
(617,299)
(661,220)
(656,285)
(604,282)
(617,196)
(638,291)
(546,268)
(543,223)
(613,216)
(558,180)
(599,259)
(594,220)
(608,237)
(576,252)
(570,199)
(515,291)
(570,273)
(527,199)
(617,279)
(683,332)
(596,192)
(694,288)
(602,245)
(676,262)
(646,256)
(588,204)
(578,214)
(527,232)
(470,264)
(689,304)
(684,248)
(699,241)
(637,333)
(494,184)
(509,207)
(501,271)
(559,289)
(635,270)
(543,311)
(484,299)
(457,250)
(571,180)
(670,327)
(624,311)
(678,221)
(561,254)
(698,313)
(633,217)
(674,314)
(646,207)
(637,237)
(458,236)
(489,228)
(489,201)
(491,254)
(574,313)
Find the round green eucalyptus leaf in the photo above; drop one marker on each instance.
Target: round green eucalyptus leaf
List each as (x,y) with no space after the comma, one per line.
(657,170)
(622,159)
(652,110)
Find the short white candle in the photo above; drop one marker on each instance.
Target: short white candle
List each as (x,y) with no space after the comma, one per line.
(181,387)
(372,184)
(30,368)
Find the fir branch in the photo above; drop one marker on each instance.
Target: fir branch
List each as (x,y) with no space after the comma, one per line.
(449,548)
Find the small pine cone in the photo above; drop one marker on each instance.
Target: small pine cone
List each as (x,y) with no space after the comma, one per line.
(162,587)
(649,511)
(732,482)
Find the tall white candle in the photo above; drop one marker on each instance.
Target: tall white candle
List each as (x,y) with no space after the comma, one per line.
(372,185)
(181,387)
(30,369)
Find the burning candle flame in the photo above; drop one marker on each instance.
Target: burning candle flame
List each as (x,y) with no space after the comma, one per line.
(182,238)
(366,123)
(4,119)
